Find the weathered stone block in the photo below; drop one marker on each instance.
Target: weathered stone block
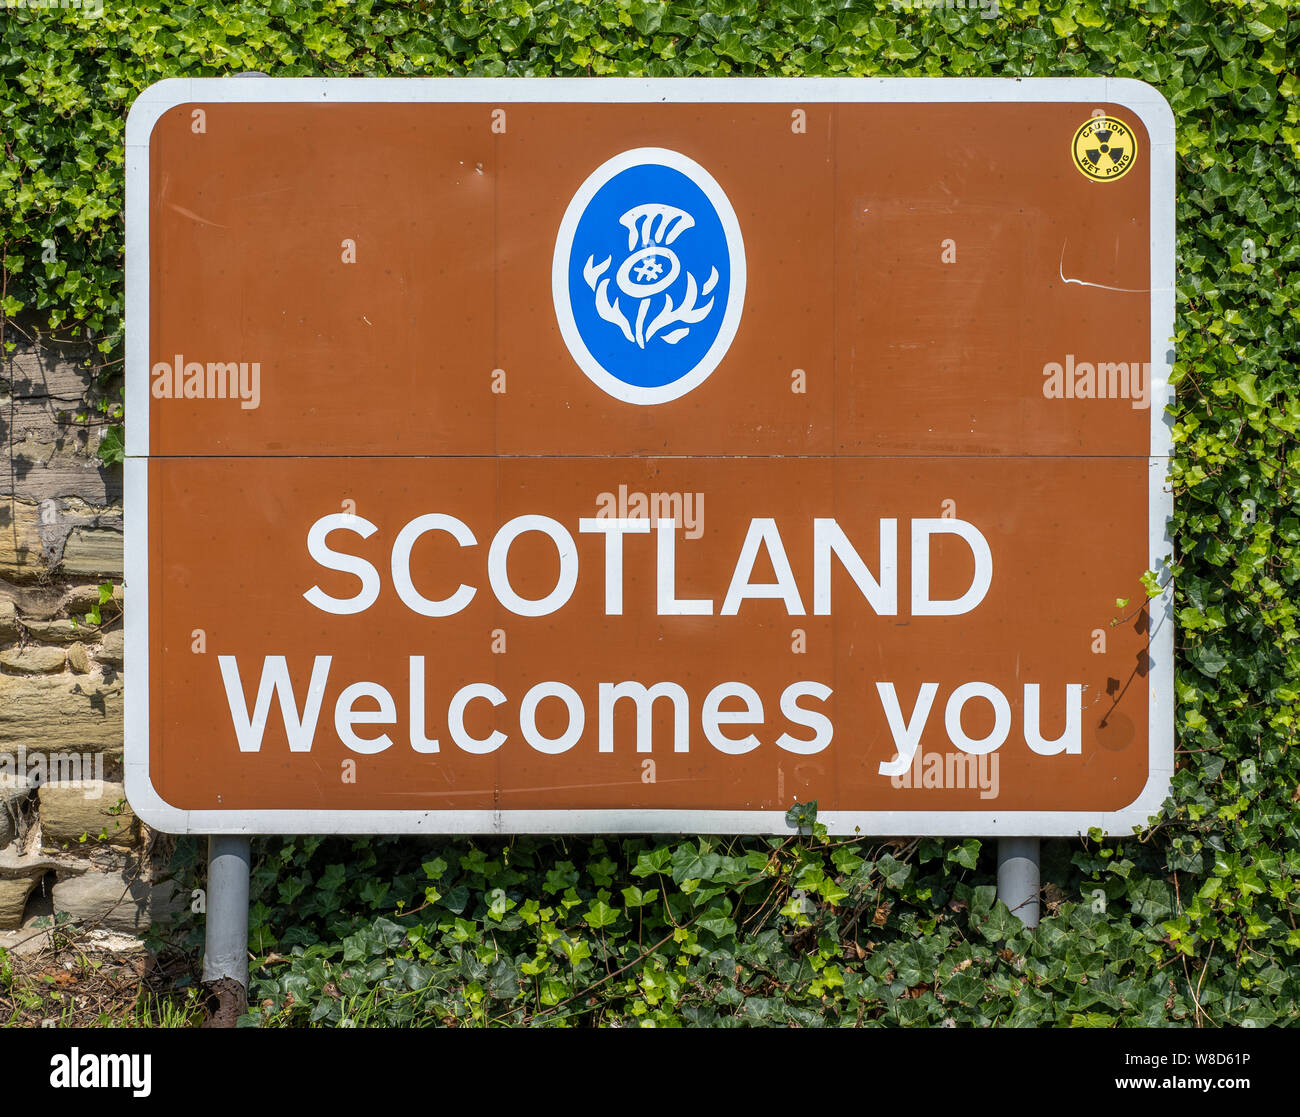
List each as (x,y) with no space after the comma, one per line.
(66,814)
(79,600)
(19,874)
(8,621)
(113,649)
(35,659)
(13,900)
(20,543)
(55,454)
(65,535)
(95,549)
(58,631)
(78,659)
(60,713)
(111,900)
(13,793)
(35,603)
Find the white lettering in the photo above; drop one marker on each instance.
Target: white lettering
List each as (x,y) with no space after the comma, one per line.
(301,731)
(499,554)
(922,604)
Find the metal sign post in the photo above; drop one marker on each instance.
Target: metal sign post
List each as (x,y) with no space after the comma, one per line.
(1018,877)
(225,954)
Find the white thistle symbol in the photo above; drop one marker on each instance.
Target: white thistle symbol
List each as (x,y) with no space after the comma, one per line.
(649,271)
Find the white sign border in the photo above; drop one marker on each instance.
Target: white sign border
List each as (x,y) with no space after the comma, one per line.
(1138,97)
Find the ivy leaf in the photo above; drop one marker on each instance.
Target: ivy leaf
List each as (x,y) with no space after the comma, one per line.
(1245,388)
(633,897)
(718,922)
(648,863)
(967,854)
(600,914)
(802,816)
(1001,924)
(457,899)
(112,446)
(1207,659)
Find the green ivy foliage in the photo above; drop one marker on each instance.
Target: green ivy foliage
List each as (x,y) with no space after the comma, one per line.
(1193,921)
(802,931)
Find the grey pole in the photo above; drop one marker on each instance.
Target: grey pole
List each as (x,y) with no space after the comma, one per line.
(225,954)
(1018,877)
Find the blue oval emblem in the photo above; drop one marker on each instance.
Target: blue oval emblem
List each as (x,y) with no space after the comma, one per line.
(648,277)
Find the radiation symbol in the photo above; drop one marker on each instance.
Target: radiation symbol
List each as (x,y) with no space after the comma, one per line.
(1104,148)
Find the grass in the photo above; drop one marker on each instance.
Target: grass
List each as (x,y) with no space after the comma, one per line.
(70,986)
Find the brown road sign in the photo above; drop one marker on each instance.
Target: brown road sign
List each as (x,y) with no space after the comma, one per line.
(648,455)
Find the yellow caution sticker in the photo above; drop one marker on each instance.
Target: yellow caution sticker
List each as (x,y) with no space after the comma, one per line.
(1104,149)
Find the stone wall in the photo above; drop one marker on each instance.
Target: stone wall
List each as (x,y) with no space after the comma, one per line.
(69,845)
